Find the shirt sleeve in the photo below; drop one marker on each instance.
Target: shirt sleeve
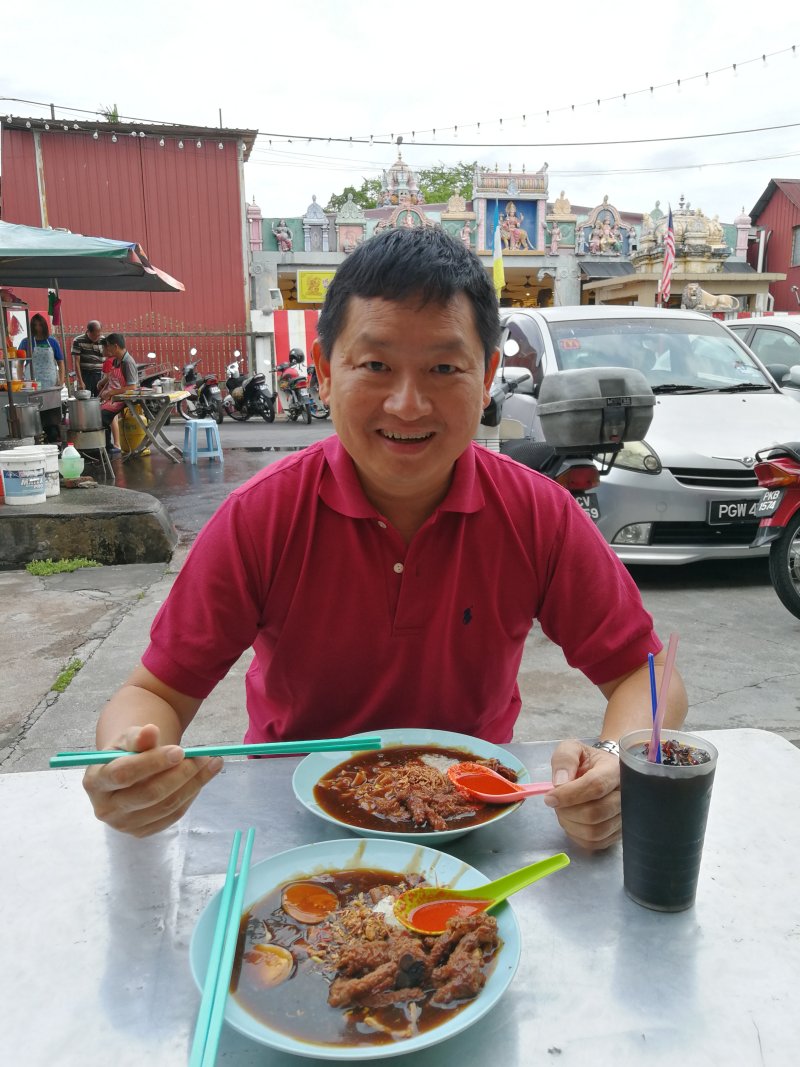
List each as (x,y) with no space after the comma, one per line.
(214,608)
(591,606)
(130,372)
(59,355)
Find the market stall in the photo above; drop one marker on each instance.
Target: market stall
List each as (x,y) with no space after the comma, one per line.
(59,260)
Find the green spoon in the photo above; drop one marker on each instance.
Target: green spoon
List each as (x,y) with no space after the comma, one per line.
(426,909)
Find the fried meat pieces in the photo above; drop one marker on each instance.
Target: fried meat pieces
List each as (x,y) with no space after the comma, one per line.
(399,966)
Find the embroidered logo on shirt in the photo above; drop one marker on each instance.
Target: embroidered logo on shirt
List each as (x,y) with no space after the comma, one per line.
(466,618)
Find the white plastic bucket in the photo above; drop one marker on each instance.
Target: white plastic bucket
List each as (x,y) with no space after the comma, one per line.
(52,482)
(23,476)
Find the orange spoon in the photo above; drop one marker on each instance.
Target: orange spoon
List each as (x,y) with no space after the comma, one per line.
(482,783)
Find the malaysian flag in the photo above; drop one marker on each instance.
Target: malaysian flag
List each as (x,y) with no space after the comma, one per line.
(669,261)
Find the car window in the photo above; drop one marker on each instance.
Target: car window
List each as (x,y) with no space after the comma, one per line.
(694,354)
(773,345)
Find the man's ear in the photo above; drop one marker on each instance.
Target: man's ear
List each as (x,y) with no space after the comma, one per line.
(489,374)
(323,366)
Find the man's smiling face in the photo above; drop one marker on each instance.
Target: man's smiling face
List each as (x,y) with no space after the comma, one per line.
(406,384)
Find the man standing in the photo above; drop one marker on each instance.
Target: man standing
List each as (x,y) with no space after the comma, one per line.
(121,375)
(87,356)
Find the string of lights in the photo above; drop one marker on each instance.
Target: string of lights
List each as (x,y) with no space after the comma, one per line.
(501,123)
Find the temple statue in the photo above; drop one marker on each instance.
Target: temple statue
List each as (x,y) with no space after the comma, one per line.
(562,206)
(283,235)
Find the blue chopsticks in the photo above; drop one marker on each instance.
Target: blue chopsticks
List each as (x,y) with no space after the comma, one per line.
(223,948)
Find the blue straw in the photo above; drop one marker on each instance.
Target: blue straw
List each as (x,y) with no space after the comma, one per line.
(653,693)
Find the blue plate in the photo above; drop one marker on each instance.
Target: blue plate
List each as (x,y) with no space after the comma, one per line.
(400,857)
(314,766)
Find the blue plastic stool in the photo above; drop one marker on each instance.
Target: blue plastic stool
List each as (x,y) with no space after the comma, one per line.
(192,451)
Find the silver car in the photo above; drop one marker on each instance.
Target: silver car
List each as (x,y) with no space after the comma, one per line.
(688,491)
(775,339)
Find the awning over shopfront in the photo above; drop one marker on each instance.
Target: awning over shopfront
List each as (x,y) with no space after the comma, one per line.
(606,269)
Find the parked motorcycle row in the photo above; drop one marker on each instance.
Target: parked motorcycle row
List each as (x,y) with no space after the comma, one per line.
(249,395)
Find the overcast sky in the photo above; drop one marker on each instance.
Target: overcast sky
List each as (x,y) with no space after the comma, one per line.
(349,68)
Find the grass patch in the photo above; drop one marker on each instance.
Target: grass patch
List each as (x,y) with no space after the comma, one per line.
(67,675)
(43,567)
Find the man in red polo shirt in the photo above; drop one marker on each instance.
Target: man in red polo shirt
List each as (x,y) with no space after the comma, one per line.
(409,560)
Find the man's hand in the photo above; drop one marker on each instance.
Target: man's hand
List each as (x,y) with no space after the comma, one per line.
(586,794)
(144,793)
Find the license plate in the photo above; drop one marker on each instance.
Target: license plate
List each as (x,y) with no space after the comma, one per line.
(215,391)
(588,501)
(304,392)
(724,512)
(769,503)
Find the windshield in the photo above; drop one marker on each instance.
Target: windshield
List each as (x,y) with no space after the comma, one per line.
(673,355)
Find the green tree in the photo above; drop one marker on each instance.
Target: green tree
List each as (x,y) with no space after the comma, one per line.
(366,196)
(438,184)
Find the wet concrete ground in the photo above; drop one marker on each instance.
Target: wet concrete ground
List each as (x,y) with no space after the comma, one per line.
(192,492)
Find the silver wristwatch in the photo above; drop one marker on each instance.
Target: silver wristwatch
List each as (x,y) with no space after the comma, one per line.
(607,746)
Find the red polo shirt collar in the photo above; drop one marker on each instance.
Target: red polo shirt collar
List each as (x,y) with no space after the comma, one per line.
(341,490)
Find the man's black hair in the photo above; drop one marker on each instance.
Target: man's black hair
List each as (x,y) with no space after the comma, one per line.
(402,264)
(114,339)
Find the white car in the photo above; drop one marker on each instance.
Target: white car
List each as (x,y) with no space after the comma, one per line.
(775,339)
(688,491)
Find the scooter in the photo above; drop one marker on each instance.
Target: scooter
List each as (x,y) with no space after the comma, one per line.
(318,409)
(248,394)
(778,472)
(205,401)
(293,387)
(579,429)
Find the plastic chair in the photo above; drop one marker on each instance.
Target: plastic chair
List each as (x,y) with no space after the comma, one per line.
(192,451)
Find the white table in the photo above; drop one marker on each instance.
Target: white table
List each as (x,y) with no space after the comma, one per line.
(96,928)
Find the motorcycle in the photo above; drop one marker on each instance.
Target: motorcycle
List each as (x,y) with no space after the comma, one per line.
(205,401)
(318,409)
(248,394)
(293,387)
(778,472)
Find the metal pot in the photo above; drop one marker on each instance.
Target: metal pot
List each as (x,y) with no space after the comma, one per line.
(21,421)
(85,414)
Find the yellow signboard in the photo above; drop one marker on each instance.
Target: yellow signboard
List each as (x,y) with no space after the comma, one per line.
(312,285)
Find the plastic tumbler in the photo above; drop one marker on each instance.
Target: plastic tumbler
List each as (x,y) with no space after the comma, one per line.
(664,813)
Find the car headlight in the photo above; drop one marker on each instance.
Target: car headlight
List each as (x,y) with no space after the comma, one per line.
(638,456)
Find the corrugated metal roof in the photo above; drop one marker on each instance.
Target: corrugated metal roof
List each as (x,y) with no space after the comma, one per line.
(128,129)
(790,187)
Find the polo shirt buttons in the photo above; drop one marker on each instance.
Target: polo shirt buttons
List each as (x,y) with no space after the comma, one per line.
(381,524)
(398,568)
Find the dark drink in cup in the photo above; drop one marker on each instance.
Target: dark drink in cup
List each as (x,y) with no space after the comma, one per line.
(664,813)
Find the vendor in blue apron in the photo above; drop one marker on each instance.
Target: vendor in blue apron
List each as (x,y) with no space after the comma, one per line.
(45,365)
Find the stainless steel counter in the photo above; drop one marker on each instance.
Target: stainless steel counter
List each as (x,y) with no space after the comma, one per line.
(96,928)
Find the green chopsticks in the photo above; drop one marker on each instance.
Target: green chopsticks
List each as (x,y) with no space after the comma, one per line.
(268,748)
(220,962)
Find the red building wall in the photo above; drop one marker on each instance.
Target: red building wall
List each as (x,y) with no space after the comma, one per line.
(780,215)
(183,205)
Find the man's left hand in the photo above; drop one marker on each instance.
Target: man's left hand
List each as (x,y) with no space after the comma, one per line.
(586,794)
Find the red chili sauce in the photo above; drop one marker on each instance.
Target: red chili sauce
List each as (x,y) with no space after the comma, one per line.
(433,917)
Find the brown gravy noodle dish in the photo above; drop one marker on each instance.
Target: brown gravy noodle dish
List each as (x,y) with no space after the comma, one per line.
(404,789)
(353,977)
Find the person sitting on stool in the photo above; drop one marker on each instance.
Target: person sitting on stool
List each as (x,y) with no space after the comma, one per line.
(121,376)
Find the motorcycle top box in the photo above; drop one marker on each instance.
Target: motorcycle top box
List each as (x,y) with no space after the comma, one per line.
(593,407)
